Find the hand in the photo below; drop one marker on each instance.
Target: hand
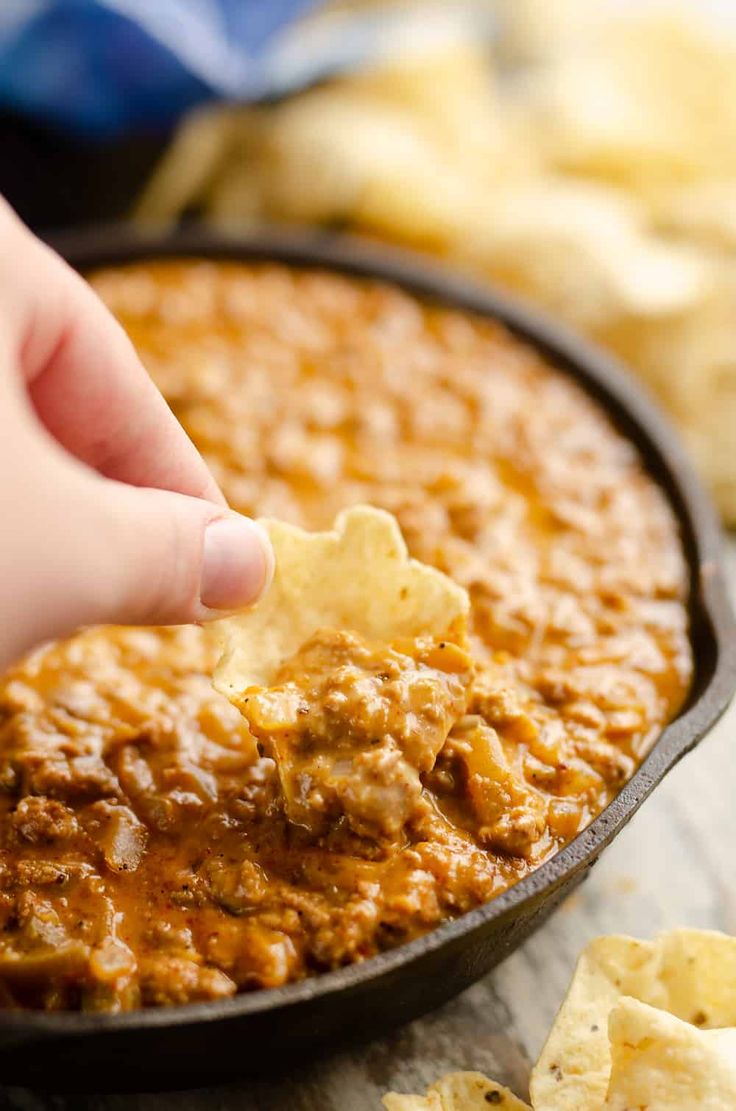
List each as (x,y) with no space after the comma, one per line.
(107,511)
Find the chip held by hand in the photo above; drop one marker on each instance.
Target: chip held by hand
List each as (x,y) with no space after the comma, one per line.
(458,1091)
(358,576)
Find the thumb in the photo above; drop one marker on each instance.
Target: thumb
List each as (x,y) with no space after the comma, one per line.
(170,558)
(88,550)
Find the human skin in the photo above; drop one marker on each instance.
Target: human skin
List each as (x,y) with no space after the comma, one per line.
(107,511)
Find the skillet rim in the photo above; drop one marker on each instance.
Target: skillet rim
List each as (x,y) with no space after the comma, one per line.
(636,416)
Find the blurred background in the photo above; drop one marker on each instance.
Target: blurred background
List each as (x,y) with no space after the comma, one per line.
(580,152)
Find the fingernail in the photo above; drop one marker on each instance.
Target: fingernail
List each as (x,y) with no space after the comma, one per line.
(237,563)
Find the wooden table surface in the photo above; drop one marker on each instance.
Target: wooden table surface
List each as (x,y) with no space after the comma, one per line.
(672,866)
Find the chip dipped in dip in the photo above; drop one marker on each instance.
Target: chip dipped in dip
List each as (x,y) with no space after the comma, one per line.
(351,723)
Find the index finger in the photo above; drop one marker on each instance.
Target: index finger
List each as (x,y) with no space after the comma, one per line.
(85,380)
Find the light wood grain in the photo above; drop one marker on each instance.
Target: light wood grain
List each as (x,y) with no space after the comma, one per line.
(674,865)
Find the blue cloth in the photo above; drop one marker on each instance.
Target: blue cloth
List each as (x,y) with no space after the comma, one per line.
(100,68)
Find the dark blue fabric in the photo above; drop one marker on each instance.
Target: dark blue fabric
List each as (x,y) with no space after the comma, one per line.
(103,67)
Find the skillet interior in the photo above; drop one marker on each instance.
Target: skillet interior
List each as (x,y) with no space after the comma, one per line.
(174,1047)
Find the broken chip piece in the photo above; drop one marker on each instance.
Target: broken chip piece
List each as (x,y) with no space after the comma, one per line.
(458,1091)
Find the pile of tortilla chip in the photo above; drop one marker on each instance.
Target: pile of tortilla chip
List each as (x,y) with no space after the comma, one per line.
(645,1026)
(586,158)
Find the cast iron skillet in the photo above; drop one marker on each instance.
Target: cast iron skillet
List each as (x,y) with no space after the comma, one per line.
(185,1046)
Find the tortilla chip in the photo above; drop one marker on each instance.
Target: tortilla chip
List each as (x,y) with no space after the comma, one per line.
(664,1064)
(356,577)
(703,211)
(458,1091)
(573,1067)
(471,1091)
(584,251)
(650,100)
(697,977)
(689,973)
(195,155)
(394,1101)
